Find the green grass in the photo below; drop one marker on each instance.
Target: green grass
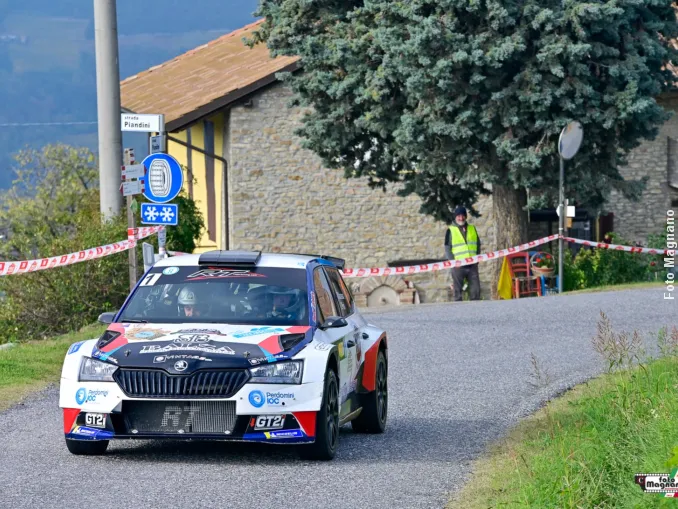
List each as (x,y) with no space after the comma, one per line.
(626,286)
(31,366)
(583,450)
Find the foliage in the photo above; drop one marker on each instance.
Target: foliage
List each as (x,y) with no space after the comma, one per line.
(443,95)
(603,267)
(53,209)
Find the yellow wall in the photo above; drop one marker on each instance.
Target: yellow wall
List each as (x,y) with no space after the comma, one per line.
(198,169)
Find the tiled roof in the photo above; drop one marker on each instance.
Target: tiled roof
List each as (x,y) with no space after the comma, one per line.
(204,79)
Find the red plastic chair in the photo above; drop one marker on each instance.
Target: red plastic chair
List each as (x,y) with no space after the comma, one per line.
(524,282)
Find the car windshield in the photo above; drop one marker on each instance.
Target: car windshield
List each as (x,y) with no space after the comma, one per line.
(192,294)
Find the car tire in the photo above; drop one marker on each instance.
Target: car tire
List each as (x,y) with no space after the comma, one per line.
(373,417)
(327,423)
(87,447)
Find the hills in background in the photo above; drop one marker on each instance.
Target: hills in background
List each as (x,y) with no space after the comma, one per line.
(47,62)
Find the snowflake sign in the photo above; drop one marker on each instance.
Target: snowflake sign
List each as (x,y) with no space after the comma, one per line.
(165,214)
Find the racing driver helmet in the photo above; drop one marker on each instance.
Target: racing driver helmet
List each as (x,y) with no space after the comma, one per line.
(286,301)
(187,302)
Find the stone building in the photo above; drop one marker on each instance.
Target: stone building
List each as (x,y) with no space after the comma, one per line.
(229,124)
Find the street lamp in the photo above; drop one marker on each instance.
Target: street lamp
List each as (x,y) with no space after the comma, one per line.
(568,146)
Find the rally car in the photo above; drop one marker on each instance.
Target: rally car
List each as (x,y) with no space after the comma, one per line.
(230,345)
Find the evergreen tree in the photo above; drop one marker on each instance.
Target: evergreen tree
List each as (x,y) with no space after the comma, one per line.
(446,96)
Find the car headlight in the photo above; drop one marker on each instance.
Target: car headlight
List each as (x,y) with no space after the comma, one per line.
(278,373)
(92,370)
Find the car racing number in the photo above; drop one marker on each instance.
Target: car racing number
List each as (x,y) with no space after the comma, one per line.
(269,422)
(95,420)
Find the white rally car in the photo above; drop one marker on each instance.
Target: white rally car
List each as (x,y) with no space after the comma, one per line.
(230,345)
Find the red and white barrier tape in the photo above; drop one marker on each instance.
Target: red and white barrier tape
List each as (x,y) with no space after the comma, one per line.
(444,264)
(617,247)
(20,267)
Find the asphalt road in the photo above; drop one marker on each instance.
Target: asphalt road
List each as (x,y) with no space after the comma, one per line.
(459,378)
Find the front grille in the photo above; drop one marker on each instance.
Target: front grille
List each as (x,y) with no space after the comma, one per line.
(181,417)
(154,383)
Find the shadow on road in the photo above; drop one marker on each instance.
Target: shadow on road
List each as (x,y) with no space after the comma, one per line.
(428,438)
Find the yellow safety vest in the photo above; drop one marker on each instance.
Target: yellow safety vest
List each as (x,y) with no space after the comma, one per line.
(464,248)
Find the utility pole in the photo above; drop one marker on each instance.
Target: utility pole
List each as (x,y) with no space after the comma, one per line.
(108,106)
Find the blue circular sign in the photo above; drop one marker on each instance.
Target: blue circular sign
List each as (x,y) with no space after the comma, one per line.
(81,395)
(257,399)
(163,179)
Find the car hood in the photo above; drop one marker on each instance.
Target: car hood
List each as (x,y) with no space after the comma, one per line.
(184,348)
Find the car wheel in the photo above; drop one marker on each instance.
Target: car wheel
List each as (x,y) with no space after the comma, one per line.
(372,419)
(87,447)
(327,423)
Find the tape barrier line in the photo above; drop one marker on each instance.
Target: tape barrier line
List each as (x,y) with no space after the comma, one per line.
(617,247)
(495,255)
(8,268)
(444,264)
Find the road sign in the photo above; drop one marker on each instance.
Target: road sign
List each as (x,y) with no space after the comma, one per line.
(142,123)
(134,171)
(570,211)
(570,140)
(132,187)
(166,214)
(157,144)
(164,177)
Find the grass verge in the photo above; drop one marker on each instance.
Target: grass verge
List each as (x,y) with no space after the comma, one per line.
(33,365)
(583,449)
(626,286)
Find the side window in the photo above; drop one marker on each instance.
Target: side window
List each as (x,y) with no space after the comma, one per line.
(324,295)
(341,292)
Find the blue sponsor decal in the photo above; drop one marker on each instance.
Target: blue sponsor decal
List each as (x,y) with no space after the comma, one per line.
(257,399)
(90,433)
(294,433)
(170,271)
(257,331)
(144,334)
(81,395)
(75,347)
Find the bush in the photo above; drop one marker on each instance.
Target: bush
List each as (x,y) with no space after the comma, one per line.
(593,267)
(53,209)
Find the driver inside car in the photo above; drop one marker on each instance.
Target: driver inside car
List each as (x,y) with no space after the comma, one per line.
(188,303)
(286,303)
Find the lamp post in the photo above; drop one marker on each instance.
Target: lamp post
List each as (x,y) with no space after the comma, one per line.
(568,145)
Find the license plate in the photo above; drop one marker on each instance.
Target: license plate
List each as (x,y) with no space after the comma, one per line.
(269,422)
(96,420)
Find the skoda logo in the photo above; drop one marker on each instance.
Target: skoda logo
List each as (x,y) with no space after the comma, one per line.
(180,365)
(81,395)
(257,399)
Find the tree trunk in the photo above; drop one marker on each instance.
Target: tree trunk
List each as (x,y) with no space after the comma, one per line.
(510,223)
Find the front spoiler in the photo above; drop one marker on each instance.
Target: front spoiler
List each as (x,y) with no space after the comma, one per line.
(269,437)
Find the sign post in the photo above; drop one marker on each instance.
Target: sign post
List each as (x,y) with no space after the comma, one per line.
(128,161)
(568,146)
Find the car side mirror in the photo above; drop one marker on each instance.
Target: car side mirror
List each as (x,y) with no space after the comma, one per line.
(107,317)
(334,322)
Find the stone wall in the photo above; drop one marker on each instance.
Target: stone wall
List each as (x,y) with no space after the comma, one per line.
(282,199)
(634,221)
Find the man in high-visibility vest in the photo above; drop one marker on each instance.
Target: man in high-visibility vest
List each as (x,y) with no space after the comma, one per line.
(462,241)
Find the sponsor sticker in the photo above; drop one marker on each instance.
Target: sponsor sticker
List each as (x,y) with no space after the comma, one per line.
(222,273)
(267,422)
(82,395)
(144,334)
(279,398)
(294,433)
(95,420)
(257,399)
(160,359)
(170,271)
(258,360)
(257,331)
(75,347)
(183,346)
(323,346)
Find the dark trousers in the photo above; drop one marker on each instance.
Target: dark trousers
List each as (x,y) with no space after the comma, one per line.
(469,272)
